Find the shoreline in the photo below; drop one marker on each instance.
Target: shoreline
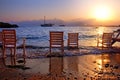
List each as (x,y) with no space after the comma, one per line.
(43,52)
(84,50)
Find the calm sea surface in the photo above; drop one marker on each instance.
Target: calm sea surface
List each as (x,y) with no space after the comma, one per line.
(39,36)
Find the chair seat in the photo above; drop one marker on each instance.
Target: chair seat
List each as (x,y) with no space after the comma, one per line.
(10,46)
(56,46)
(72,43)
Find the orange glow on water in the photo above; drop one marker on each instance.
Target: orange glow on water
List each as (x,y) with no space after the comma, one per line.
(100,30)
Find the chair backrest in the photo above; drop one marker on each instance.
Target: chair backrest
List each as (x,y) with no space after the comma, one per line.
(72,39)
(56,38)
(107,37)
(9,37)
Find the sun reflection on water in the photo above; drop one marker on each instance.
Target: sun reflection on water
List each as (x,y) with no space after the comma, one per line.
(99,61)
(100,30)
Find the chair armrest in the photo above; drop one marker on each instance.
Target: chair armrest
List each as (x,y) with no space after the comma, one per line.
(21,42)
(23,45)
(23,39)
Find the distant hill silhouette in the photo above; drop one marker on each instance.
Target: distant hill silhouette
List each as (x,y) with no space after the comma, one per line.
(7,25)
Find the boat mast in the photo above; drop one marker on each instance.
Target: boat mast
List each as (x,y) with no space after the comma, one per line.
(44,19)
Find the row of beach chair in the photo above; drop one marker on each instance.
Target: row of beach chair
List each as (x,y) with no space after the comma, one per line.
(8,40)
(56,40)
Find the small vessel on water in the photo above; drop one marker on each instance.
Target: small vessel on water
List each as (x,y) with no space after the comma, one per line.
(61,25)
(46,24)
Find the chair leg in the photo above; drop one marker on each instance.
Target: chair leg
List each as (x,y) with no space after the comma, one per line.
(102,46)
(62,49)
(11,50)
(50,50)
(14,61)
(97,44)
(24,55)
(15,52)
(4,52)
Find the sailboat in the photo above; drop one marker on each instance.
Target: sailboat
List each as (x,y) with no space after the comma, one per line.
(46,24)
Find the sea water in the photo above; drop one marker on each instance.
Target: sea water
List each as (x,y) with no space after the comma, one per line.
(39,36)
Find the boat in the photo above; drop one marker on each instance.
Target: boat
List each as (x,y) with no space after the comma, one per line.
(61,25)
(46,24)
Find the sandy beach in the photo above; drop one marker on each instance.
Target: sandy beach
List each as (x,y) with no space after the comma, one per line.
(76,64)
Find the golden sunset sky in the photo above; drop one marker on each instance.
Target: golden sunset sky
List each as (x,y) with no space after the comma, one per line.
(22,10)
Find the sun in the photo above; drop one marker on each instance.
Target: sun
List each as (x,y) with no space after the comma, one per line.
(101,13)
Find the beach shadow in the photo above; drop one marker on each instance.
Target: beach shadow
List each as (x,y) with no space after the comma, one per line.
(12,62)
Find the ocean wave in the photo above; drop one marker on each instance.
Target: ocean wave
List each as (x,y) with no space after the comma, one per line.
(37,37)
(87,36)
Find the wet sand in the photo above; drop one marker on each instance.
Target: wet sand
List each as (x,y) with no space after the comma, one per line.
(74,65)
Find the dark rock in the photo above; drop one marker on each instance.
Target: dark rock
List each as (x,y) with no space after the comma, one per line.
(7,25)
(106,65)
(20,61)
